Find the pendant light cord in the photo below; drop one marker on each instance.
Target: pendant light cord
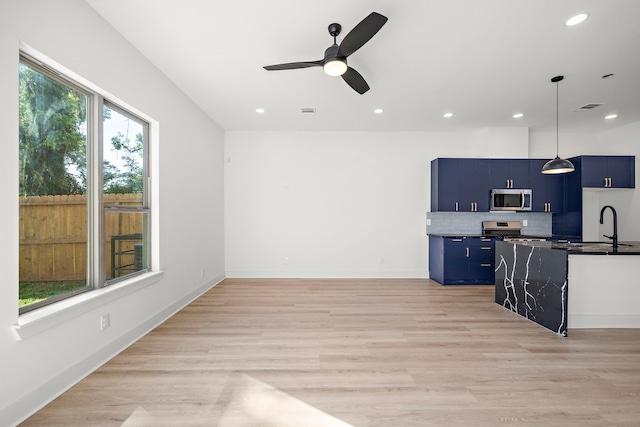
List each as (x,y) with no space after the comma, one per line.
(557,121)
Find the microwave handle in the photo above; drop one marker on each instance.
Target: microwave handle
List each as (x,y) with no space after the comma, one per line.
(522,200)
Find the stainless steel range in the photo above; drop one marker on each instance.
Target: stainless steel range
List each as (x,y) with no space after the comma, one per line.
(501,228)
(510,231)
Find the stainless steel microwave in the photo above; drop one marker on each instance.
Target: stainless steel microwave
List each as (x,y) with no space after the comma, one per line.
(510,199)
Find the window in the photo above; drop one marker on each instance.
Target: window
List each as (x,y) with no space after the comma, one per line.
(83,196)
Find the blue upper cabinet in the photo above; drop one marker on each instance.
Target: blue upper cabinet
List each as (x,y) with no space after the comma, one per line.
(548,190)
(464,184)
(473,185)
(608,171)
(444,185)
(459,185)
(509,173)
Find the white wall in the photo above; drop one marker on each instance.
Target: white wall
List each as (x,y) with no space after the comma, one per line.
(353,204)
(332,204)
(188,156)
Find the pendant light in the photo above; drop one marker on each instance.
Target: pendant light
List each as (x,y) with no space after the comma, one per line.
(557,165)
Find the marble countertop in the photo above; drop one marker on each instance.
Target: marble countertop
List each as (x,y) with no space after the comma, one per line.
(588,248)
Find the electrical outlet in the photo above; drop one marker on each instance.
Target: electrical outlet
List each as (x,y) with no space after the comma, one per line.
(105,321)
(524,222)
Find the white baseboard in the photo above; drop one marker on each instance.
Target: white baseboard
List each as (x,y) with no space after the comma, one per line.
(327,274)
(598,321)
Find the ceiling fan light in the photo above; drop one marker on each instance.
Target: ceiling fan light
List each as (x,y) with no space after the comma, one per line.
(335,67)
(557,166)
(575,20)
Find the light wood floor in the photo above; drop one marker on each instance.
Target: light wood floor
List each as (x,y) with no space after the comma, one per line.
(361,353)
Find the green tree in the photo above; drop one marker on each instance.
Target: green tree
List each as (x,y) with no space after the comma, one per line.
(129,177)
(52,137)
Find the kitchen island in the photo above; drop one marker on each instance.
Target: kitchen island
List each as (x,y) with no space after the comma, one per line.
(570,285)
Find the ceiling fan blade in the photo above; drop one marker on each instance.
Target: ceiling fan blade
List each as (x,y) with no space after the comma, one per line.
(293,65)
(361,34)
(355,80)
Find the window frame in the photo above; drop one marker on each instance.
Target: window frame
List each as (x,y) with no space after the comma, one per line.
(96,277)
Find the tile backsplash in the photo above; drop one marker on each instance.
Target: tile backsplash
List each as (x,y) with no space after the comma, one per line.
(470,223)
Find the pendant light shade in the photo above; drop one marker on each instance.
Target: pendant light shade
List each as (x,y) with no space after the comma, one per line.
(557,165)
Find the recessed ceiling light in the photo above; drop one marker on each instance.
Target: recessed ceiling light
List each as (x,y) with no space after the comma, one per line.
(447,115)
(378,111)
(517,115)
(611,116)
(575,20)
(259,110)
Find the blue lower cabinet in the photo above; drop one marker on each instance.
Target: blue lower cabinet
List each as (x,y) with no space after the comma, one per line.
(461,260)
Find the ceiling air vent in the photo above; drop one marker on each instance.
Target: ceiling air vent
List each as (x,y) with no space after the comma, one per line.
(587,107)
(308,111)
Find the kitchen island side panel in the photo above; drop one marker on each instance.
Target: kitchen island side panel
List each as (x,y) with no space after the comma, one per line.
(532,282)
(605,291)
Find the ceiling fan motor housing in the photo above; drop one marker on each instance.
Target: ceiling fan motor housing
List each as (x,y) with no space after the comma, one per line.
(332,53)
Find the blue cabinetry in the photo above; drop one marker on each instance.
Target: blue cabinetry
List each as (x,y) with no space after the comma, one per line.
(608,171)
(459,185)
(509,173)
(461,260)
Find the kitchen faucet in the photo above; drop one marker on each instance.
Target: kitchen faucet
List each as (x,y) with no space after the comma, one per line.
(615,225)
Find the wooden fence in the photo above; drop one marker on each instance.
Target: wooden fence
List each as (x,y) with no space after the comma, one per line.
(53,235)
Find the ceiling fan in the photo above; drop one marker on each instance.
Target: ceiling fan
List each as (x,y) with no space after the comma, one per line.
(335,57)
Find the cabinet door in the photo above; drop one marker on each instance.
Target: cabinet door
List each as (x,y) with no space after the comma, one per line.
(594,171)
(499,173)
(444,185)
(621,171)
(456,261)
(519,173)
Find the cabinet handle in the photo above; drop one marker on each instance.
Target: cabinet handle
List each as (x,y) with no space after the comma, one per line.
(510,183)
(467,251)
(486,248)
(485,265)
(456,206)
(456,240)
(610,182)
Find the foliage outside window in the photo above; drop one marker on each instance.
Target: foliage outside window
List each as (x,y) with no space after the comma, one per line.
(83,196)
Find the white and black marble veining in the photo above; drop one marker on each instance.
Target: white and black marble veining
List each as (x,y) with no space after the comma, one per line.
(532,282)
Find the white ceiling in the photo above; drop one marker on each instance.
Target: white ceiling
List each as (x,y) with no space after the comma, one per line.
(483,60)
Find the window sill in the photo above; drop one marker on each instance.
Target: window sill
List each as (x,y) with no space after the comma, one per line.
(36,321)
